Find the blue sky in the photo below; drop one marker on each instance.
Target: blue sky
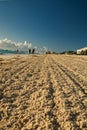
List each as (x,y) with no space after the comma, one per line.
(60,25)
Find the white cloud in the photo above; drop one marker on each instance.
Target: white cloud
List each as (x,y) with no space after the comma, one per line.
(45,48)
(41,50)
(11,45)
(7,44)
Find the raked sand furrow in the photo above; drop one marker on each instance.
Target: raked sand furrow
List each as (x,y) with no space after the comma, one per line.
(42,92)
(43,103)
(75,63)
(18,72)
(73,97)
(13,96)
(17,66)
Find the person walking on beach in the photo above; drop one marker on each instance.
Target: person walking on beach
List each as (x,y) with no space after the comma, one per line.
(29,51)
(33,50)
(17,51)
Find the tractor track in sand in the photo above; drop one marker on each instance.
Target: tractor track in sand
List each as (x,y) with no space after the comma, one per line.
(42,92)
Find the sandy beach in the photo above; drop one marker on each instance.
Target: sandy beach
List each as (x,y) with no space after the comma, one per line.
(43,92)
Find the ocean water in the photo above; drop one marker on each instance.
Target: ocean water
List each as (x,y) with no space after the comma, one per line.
(2,52)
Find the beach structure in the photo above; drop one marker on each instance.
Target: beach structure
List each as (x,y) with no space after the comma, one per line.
(82,51)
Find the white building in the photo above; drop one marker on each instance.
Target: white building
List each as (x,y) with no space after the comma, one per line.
(79,51)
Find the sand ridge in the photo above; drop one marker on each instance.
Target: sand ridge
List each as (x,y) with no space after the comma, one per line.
(43,92)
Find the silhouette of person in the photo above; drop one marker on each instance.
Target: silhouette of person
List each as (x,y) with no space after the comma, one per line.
(33,51)
(17,50)
(29,51)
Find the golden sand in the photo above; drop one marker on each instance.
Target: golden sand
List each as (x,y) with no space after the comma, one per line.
(43,92)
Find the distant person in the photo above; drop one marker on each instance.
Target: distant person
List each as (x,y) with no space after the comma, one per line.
(29,51)
(17,51)
(33,51)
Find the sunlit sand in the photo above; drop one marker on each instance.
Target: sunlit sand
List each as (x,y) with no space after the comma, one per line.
(43,92)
